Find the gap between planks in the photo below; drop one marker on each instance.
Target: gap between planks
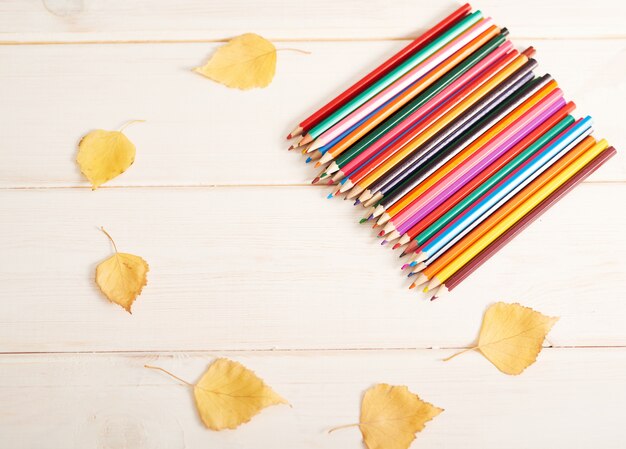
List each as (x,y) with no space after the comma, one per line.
(208,186)
(287,350)
(298,40)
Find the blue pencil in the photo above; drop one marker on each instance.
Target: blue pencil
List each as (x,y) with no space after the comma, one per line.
(328,146)
(501,193)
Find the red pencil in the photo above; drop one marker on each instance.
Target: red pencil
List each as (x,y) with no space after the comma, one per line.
(481,177)
(385,67)
(512,232)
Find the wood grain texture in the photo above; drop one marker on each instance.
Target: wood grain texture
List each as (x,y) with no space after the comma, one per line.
(260,268)
(248,263)
(111,401)
(144,20)
(198,132)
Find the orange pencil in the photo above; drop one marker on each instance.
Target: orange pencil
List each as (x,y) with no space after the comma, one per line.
(505,210)
(411,92)
(482,140)
(401,148)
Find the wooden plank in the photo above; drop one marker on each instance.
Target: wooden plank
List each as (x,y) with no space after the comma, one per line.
(201,133)
(262,268)
(115,20)
(111,401)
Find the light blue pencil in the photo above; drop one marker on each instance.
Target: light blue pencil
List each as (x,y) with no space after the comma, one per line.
(455,31)
(509,188)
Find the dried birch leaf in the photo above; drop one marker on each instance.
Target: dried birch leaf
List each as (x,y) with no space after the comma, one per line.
(511,336)
(229,394)
(104,155)
(245,62)
(121,277)
(391,416)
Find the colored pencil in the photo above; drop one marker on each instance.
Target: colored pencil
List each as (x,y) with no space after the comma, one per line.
(504,190)
(452,146)
(409,116)
(436,150)
(453,281)
(497,171)
(324,150)
(381,70)
(477,160)
(517,215)
(394,200)
(407,95)
(419,78)
(452,33)
(420,173)
(528,191)
(483,57)
(410,177)
(425,130)
(408,162)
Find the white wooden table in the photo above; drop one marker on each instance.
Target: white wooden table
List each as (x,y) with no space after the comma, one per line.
(250,262)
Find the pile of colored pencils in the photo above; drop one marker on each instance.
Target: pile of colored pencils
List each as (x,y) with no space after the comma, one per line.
(453,145)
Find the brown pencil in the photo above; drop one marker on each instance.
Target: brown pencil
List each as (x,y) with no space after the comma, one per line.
(512,232)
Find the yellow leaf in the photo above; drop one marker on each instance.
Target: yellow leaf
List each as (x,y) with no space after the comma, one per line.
(391,416)
(121,277)
(245,62)
(103,155)
(511,336)
(229,394)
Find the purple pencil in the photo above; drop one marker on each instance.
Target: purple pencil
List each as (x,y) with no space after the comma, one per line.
(472,166)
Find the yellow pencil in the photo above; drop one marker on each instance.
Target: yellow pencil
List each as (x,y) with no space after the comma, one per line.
(517,214)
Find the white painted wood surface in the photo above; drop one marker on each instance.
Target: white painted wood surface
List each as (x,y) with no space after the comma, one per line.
(111,401)
(163,20)
(249,262)
(198,124)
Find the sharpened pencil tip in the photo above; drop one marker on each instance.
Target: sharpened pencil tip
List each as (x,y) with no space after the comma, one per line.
(315,180)
(317,164)
(362,220)
(432,298)
(425,289)
(330,182)
(383,243)
(357,202)
(323,175)
(330,196)
(396,246)
(308,159)
(412,264)
(410,274)
(370,217)
(412,286)
(405,266)
(289,136)
(381,233)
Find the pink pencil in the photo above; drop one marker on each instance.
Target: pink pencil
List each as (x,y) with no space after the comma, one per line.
(495,58)
(405,81)
(478,161)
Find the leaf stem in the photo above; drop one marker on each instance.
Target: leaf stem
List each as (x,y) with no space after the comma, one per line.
(345,426)
(125,125)
(158,368)
(297,50)
(110,238)
(459,353)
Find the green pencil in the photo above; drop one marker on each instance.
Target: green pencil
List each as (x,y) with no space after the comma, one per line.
(392,76)
(416,103)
